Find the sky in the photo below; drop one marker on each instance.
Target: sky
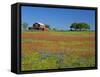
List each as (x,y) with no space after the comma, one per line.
(58,18)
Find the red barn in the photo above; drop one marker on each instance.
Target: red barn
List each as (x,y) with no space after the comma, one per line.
(38,26)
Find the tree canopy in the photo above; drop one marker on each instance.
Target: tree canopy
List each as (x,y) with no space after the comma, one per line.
(47,26)
(79,26)
(24,26)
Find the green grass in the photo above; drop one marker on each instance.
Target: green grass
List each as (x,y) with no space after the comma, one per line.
(44,60)
(57,32)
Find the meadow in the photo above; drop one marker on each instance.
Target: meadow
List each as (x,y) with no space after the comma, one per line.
(42,50)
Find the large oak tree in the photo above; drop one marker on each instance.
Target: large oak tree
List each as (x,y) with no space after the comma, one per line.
(79,26)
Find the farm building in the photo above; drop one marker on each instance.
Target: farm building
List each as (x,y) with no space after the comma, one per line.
(38,26)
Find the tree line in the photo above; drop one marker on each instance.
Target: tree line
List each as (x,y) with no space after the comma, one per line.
(73,27)
(79,26)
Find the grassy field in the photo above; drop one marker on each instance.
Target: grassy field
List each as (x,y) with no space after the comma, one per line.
(53,50)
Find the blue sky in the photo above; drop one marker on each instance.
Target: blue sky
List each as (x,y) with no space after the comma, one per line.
(57,18)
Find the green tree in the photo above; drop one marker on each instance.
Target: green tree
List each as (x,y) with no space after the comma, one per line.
(73,26)
(47,26)
(24,26)
(54,29)
(79,26)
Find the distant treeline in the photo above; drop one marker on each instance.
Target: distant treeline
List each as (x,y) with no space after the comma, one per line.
(73,27)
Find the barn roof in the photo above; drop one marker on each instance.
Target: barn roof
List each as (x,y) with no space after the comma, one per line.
(40,23)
